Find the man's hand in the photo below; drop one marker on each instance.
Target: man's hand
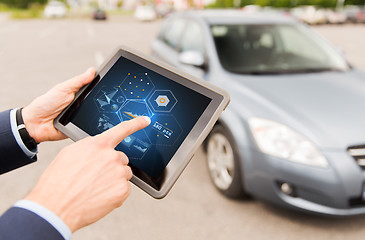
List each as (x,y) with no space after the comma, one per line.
(39,115)
(88,179)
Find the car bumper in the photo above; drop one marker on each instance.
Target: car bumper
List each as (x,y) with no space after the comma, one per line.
(336,190)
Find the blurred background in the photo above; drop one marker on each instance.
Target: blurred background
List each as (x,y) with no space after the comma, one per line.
(286,159)
(309,11)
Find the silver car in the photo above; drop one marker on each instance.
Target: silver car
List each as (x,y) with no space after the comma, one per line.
(294,133)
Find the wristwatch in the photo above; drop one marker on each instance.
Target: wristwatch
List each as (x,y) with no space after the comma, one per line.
(28,141)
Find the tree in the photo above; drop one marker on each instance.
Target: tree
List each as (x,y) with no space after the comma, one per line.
(355,2)
(22,3)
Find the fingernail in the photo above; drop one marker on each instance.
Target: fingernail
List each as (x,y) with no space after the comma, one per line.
(147,119)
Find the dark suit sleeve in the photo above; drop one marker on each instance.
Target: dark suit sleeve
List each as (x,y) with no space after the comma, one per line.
(11,155)
(21,224)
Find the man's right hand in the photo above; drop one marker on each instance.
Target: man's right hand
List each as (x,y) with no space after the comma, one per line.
(88,179)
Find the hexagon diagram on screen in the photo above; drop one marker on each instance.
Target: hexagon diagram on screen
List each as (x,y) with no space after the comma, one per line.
(162,101)
(133,109)
(109,100)
(137,86)
(165,130)
(136,145)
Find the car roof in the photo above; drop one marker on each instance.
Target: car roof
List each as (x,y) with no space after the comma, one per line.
(213,17)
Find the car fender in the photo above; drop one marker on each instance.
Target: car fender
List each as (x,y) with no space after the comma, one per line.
(235,124)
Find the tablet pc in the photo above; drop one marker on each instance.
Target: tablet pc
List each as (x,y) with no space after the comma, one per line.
(182,108)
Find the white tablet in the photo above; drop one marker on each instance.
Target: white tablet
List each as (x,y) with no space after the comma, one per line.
(182,108)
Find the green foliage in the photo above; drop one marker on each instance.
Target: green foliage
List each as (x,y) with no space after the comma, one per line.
(282,3)
(222,4)
(329,3)
(4,7)
(355,2)
(34,10)
(263,3)
(23,9)
(22,3)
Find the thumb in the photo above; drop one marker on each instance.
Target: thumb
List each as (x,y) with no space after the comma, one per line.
(116,134)
(74,84)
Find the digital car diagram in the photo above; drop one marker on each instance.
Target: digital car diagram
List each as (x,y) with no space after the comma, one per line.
(135,96)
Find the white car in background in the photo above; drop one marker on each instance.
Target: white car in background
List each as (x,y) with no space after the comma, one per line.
(335,17)
(145,13)
(55,9)
(310,15)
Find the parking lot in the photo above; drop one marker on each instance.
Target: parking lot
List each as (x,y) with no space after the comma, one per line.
(37,54)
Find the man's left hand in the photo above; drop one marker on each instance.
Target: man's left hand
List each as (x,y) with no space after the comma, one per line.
(39,115)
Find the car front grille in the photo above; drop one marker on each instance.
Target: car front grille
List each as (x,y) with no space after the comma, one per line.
(358,153)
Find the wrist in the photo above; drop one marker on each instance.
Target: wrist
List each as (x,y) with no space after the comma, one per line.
(56,222)
(61,211)
(29,124)
(26,138)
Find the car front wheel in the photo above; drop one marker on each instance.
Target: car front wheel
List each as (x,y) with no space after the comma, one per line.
(223,163)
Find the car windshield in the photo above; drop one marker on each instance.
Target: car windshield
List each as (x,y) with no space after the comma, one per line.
(274,49)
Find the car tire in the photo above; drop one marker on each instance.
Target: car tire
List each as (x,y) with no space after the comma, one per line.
(223,163)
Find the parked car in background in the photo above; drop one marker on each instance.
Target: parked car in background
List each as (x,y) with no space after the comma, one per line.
(252,8)
(310,15)
(335,17)
(99,14)
(163,9)
(355,14)
(55,9)
(145,13)
(293,134)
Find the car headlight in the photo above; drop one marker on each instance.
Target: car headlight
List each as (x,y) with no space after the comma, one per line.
(279,140)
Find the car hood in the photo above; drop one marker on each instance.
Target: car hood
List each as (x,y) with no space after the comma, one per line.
(328,108)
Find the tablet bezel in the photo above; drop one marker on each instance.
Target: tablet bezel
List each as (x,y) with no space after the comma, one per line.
(220,100)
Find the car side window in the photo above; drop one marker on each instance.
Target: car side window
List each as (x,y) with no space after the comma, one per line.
(193,38)
(172,32)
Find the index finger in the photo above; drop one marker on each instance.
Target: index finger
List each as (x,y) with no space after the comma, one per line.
(116,134)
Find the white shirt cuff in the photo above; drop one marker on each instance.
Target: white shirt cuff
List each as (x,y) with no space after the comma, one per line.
(14,129)
(47,215)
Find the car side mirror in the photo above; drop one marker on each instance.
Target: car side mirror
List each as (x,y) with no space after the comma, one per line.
(193,58)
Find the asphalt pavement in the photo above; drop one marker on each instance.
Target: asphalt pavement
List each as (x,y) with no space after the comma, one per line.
(37,54)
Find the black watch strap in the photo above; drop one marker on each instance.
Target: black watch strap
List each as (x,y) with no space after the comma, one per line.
(28,141)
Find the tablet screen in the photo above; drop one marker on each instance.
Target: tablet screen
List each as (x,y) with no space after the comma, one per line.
(129,90)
